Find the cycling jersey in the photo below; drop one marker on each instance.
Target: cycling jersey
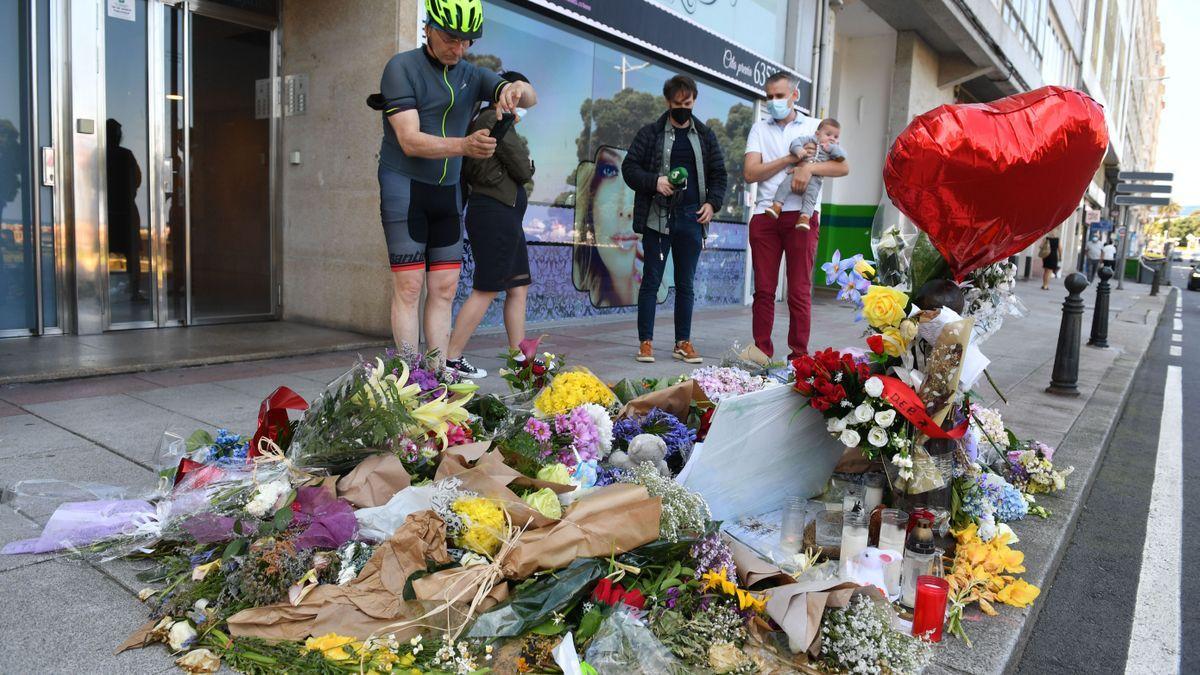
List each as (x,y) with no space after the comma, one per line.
(444,97)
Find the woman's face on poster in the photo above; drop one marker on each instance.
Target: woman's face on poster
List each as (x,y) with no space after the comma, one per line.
(620,249)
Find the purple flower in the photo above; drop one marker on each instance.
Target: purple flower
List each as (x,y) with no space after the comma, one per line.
(538,429)
(677,436)
(582,437)
(426,380)
(712,555)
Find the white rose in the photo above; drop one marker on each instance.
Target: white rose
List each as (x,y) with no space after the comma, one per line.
(835,425)
(864,413)
(884,418)
(850,438)
(877,437)
(874,387)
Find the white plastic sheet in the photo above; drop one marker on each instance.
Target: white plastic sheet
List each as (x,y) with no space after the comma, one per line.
(762,448)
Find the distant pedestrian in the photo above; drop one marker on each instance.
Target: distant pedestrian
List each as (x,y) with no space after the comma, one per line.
(1109,255)
(1094,252)
(1049,253)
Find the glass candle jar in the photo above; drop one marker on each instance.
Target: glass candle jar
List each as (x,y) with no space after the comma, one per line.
(929,611)
(873,482)
(854,537)
(892,524)
(829,529)
(791,529)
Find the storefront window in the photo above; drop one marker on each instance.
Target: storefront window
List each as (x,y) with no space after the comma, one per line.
(757,25)
(18,281)
(593,95)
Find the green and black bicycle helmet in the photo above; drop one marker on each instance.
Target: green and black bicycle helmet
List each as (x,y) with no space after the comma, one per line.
(461,18)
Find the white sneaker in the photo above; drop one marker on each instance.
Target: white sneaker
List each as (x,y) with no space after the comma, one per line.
(464,368)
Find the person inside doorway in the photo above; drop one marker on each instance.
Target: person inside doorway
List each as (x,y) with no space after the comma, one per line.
(1094,252)
(495,215)
(672,216)
(767,160)
(427,97)
(124,178)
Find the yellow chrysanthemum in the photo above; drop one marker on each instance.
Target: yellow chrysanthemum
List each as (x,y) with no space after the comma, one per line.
(484,524)
(571,390)
(333,646)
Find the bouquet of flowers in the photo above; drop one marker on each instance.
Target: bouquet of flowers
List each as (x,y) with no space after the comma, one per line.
(1032,471)
(843,390)
(571,389)
(718,382)
(990,297)
(385,405)
(526,371)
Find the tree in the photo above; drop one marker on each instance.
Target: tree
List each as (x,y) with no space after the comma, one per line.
(1170,210)
(614,121)
(486,61)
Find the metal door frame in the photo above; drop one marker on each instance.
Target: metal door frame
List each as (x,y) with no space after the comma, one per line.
(36,171)
(158,154)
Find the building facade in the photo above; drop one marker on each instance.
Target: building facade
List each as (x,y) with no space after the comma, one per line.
(182,162)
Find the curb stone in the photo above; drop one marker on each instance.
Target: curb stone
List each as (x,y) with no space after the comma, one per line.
(1001,640)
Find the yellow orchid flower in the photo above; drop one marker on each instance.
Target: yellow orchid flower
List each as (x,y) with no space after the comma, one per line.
(1019,593)
(436,416)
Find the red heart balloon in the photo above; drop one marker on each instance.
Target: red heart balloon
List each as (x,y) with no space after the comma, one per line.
(986,180)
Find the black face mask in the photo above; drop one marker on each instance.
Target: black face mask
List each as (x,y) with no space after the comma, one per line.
(681,115)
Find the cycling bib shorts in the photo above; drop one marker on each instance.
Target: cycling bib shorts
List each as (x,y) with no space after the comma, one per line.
(421,222)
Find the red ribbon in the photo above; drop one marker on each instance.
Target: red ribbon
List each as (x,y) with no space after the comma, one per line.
(204,473)
(907,403)
(273,417)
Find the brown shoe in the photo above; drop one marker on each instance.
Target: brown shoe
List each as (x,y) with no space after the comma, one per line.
(684,351)
(645,352)
(774,209)
(802,223)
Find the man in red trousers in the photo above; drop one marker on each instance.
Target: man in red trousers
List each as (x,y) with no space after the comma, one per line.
(769,163)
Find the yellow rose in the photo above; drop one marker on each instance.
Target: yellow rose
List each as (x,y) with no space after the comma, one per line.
(883,306)
(894,343)
(864,268)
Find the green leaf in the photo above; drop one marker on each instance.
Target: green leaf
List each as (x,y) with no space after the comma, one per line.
(675,570)
(199,439)
(670,583)
(237,527)
(235,548)
(549,628)
(283,518)
(589,624)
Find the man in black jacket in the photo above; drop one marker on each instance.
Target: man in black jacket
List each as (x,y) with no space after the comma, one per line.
(673,218)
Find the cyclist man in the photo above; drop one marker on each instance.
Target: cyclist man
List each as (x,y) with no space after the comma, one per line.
(427,96)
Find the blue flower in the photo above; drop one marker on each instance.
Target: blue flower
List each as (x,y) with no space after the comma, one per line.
(586,474)
(836,266)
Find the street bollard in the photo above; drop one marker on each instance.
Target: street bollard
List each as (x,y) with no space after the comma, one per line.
(1066,358)
(1156,280)
(1099,336)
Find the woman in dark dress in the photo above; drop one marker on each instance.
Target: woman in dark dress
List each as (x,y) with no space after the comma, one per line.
(495,211)
(1050,261)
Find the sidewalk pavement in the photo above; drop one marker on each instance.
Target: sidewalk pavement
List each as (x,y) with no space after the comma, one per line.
(66,615)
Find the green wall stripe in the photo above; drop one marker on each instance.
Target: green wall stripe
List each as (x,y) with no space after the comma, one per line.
(845,228)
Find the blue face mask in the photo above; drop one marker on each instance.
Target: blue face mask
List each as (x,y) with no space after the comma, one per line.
(779,108)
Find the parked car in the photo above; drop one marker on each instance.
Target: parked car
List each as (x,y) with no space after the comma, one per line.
(1194,278)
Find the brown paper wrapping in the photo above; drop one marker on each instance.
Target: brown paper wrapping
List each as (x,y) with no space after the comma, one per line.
(490,478)
(611,520)
(752,569)
(371,602)
(798,609)
(676,399)
(142,637)
(374,481)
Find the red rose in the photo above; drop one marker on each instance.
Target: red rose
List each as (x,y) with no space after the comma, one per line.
(634,598)
(804,387)
(539,369)
(603,591)
(828,359)
(875,342)
(820,404)
(804,367)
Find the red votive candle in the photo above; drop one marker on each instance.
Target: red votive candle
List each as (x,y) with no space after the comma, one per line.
(930,610)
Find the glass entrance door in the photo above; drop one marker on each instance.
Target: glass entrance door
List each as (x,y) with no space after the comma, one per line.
(188,165)
(28,271)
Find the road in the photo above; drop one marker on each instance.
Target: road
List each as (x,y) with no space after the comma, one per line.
(1120,602)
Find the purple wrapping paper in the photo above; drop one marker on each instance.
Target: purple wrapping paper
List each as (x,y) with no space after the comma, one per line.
(83,523)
